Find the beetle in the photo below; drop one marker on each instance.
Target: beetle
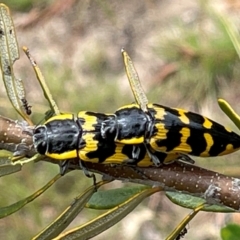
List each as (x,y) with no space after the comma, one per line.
(66,136)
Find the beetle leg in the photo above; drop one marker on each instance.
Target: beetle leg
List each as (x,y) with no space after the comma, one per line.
(135,156)
(64,166)
(152,155)
(186,158)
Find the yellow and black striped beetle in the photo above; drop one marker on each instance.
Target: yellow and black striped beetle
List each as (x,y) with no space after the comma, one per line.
(66,137)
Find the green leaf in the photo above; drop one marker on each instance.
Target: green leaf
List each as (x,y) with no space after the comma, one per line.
(228,110)
(134,81)
(180,230)
(67,216)
(9,53)
(188,201)
(112,198)
(46,92)
(9,169)
(108,219)
(230,232)
(6,211)
(6,166)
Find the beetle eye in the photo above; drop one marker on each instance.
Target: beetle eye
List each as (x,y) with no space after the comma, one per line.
(40,139)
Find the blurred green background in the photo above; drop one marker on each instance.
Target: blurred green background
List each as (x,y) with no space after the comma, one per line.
(184,57)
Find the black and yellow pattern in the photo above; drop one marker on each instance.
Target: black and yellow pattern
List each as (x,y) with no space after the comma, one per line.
(170,130)
(66,137)
(161,135)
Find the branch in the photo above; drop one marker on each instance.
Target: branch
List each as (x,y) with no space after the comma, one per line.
(215,188)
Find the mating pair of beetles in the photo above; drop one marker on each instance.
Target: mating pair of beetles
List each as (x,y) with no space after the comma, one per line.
(142,134)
